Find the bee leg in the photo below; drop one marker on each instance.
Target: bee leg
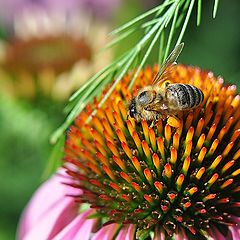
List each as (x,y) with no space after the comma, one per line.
(152,123)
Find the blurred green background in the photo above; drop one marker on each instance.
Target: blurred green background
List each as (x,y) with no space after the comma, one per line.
(25,126)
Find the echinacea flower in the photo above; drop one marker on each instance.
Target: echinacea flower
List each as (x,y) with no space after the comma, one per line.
(163,181)
(53,48)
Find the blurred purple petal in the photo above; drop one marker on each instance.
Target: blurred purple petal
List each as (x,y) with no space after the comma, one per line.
(61,5)
(12,9)
(101,8)
(9,8)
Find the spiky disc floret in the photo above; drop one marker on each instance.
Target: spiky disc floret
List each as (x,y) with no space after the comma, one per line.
(166,180)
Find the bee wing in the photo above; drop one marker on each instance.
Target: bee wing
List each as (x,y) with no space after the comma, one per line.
(157,106)
(168,65)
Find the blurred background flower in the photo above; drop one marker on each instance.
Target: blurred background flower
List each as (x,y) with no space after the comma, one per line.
(48,40)
(26,125)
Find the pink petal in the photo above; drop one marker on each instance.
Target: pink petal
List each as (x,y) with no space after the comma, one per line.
(159,234)
(49,200)
(106,232)
(234,231)
(78,228)
(53,221)
(181,235)
(215,234)
(127,232)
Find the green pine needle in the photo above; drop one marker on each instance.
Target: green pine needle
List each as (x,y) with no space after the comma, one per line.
(161,49)
(157,9)
(185,22)
(119,39)
(172,30)
(157,26)
(199,12)
(215,8)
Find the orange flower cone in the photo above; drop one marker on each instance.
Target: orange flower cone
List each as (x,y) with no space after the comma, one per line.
(170,180)
(163,178)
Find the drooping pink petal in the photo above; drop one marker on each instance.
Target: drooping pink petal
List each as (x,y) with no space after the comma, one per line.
(216,234)
(106,232)
(79,228)
(234,232)
(159,234)
(53,221)
(49,209)
(181,235)
(127,232)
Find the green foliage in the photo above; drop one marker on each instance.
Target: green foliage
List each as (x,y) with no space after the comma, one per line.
(23,154)
(168,20)
(53,164)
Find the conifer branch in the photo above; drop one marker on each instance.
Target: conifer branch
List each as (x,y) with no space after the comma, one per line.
(158,25)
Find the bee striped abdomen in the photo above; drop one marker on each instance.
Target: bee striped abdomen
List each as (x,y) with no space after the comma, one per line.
(184,96)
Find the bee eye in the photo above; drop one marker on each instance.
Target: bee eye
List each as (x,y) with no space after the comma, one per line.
(142,95)
(145,97)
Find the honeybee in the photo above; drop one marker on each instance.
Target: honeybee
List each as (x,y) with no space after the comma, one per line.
(162,100)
